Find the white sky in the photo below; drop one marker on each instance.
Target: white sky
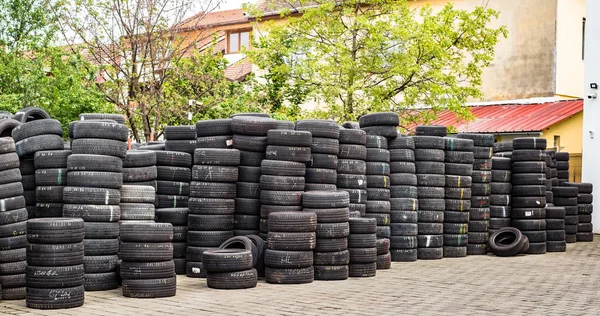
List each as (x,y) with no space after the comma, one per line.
(232,4)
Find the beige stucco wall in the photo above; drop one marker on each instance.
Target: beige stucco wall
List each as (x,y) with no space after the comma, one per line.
(569,65)
(524,62)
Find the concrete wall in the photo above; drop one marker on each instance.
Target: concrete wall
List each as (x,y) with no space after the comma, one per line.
(569,65)
(524,62)
(591,107)
(569,131)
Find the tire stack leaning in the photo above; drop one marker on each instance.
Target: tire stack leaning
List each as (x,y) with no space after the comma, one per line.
(138,193)
(13,219)
(55,269)
(282,175)
(331,256)
(403,202)
(212,203)
(480,192)
(528,212)
(378,195)
(50,179)
(172,199)
(181,138)
(250,138)
(147,269)
(500,197)
(566,196)
(430,170)
(321,170)
(362,246)
(352,169)
(585,209)
(562,167)
(94,181)
(458,157)
(31,137)
(291,241)
(229,269)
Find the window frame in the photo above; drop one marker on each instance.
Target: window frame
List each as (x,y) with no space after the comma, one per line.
(239,39)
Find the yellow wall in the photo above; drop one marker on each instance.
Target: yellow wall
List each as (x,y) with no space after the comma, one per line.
(570,131)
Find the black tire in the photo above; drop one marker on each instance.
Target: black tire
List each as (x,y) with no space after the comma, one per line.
(10,161)
(353,136)
(31,145)
(95,213)
(403,191)
(177,216)
(96,146)
(54,277)
(431,180)
(381,131)
(283,168)
(481,140)
(319,128)
(139,158)
(36,128)
(149,288)
(94,163)
(291,241)
(39,298)
(100,130)
(379,119)
(430,253)
(6,127)
(139,174)
(209,206)
(217,142)
(458,169)
(173,159)
(58,254)
(288,153)
(352,166)
(227,260)
(460,157)
(289,276)
(93,196)
(98,179)
(352,151)
(213,127)
(325,199)
(207,238)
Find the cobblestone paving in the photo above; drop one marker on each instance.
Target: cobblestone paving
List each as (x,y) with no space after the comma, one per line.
(550,284)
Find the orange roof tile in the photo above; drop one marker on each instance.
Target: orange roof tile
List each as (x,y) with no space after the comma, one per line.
(239,71)
(210,19)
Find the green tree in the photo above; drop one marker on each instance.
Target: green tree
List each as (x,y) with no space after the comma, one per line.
(33,73)
(358,56)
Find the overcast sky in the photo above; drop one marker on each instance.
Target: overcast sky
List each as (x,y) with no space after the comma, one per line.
(233,4)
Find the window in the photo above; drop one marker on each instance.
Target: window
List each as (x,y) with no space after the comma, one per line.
(583,40)
(238,40)
(557,141)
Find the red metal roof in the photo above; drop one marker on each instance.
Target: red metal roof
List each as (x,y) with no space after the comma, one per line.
(508,118)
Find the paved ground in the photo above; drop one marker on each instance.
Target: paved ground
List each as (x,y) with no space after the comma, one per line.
(551,284)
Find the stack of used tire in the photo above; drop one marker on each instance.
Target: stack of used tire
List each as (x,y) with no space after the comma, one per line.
(27,168)
(282,177)
(147,269)
(214,134)
(528,212)
(562,167)
(229,269)
(352,168)
(362,246)
(212,204)
(321,170)
(566,197)
(555,229)
(250,138)
(378,195)
(13,217)
(480,192)
(403,202)
(172,194)
(458,157)
(31,137)
(55,269)
(585,198)
(291,241)
(430,170)
(551,176)
(94,179)
(50,180)
(500,196)
(181,138)
(331,256)
(138,193)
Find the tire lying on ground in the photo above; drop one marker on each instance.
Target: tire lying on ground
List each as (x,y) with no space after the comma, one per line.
(507,242)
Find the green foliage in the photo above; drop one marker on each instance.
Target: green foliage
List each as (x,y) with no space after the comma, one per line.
(201,78)
(355,57)
(34,74)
